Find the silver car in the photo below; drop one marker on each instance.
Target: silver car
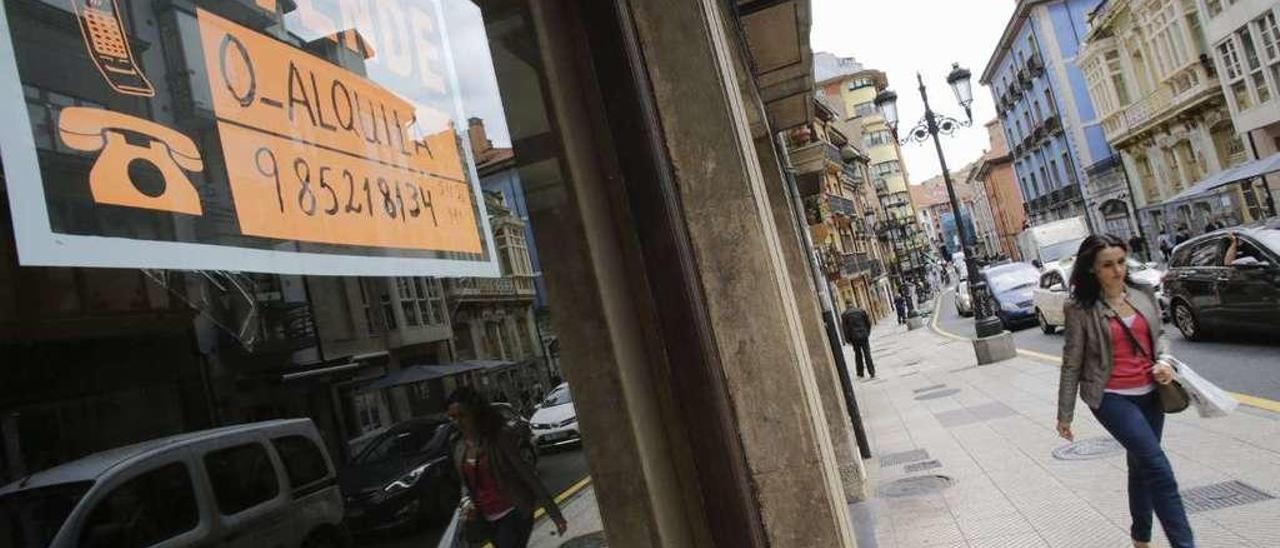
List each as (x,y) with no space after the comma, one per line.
(250,485)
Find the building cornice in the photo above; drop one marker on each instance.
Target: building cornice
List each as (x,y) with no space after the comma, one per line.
(1020,15)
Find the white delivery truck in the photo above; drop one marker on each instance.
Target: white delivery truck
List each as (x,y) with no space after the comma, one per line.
(1051,241)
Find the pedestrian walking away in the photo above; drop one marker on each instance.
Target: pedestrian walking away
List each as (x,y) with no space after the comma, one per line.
(1166,244)
(501,490)
(1113,357)
(900,305)
(856,324)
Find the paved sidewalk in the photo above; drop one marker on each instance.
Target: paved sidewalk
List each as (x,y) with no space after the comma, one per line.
(585,527)
(990,431)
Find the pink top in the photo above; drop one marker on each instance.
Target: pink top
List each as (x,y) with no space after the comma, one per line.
(1131,369)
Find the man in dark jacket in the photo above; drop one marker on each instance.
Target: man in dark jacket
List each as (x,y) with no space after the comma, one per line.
(856,325)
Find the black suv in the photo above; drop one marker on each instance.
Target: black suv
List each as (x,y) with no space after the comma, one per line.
(1210,292)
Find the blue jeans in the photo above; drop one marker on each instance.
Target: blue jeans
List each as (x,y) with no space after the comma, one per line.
(1137,423)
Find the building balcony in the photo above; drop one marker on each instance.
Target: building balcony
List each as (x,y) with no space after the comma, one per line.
(1182,90)
(283,328)
(489,289)
(1053,124)
(839,205)
(1035,65)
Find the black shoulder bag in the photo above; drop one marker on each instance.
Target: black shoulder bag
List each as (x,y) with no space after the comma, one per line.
(1173,396)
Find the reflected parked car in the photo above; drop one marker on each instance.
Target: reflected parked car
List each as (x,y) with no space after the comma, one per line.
(964,301)
(261,484)
(556,420)
(404,478)
(1208,293)
(1051,293)
(1011,287)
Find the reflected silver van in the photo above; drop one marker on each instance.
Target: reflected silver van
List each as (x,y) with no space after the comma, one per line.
(265,484)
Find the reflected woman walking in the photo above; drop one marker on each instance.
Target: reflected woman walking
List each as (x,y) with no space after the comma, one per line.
(1114,357)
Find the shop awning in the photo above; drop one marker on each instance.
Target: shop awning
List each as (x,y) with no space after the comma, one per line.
(418,373)
(1245,171)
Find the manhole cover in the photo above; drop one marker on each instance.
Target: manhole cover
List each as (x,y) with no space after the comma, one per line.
(938,394)
(930,387)
(914,486)
(589,540)
(1089,449)
(1222,495)
(894,459)
(922,466)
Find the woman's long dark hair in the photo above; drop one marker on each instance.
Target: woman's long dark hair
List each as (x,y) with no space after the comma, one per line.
(1085,288)
(488,421)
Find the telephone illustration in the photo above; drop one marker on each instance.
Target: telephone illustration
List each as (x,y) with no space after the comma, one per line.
(167,150)
(102,27)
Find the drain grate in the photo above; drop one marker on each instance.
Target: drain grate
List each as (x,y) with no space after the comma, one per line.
(894,459)
(915,486)
(1089,449)
(938,394)
(1222,495)
(928,388)
(922,466)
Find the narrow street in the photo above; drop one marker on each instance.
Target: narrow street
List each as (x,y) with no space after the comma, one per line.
(1245,365)
(560,469)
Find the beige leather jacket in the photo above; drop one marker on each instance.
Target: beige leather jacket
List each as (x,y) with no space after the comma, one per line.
(1086,353)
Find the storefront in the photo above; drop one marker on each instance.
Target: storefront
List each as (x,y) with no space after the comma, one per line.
(237,210)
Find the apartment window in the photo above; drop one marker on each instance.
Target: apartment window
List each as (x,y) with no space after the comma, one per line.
(864,109)
(1256,77)
(1229,54)
(388,311)
(1066,164)
(885,169)
(420,300)
(1053,172)
(1269,35)
(863,82)
(1044,176)
(879,137)
(1116,72)
(513,252)
(1039,113)
(1215,7)
(366,306)
(405,291)
(1035,187)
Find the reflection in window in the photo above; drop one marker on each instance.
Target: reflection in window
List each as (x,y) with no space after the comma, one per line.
(153,507)
(242,477)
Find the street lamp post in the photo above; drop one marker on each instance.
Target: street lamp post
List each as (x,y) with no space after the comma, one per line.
(985,322)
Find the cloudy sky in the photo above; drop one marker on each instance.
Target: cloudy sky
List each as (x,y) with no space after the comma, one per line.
(902,37)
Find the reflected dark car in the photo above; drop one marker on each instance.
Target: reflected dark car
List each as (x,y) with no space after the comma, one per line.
(1011,287)
(405,478)
(402,478)
(1210,293)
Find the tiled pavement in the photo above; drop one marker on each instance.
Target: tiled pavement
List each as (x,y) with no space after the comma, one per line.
(990,429)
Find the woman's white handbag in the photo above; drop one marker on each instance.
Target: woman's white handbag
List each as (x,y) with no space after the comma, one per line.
(453,537)
(1210,401)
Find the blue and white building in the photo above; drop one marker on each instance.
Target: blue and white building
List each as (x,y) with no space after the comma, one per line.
(1063,163)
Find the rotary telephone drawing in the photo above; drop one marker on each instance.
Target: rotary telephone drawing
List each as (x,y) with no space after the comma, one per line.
(165,149)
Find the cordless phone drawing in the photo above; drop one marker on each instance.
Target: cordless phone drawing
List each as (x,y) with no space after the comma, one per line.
(102,25)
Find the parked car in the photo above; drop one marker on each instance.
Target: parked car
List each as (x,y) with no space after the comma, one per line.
(404,477)
(1011,288)
(964,301)
(556,420)
(260,484)
(1208,295)
(1051,292)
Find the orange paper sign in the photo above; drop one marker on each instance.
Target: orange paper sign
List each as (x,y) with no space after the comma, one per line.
(318,153)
